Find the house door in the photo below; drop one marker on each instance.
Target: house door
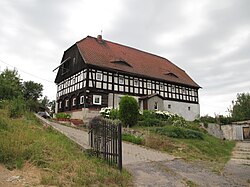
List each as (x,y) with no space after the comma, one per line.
(246,132)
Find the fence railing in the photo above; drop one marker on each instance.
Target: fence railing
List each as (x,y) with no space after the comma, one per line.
(105,139)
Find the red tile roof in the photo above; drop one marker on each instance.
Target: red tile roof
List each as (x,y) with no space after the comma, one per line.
(106,54)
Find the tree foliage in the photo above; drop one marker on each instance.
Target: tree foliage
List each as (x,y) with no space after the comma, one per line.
(129,111)
(10,85)
(18,93)
(241,107)
(32,90)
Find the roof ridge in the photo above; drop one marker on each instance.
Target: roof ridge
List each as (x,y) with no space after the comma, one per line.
(116,43)
(133,48)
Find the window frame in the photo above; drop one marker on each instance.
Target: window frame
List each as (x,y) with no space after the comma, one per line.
(100,99)
(121,80)
(74,101)
(82,99)
(96,76)
(67,103)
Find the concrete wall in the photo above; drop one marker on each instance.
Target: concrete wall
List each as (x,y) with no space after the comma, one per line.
(215,130)
(233,132)
(182,109)
(227,132)
(84,114)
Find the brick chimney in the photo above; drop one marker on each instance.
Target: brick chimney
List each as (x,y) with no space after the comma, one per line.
(99,38)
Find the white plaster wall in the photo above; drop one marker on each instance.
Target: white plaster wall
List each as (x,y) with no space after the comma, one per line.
(181,108)
(56,107)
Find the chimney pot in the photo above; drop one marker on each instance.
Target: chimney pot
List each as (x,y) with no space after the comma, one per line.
(99,38)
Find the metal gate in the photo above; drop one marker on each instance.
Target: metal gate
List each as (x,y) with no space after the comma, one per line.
(105,139)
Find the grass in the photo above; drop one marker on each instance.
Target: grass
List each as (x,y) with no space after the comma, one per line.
(212,151)
(133,139)
(61,161)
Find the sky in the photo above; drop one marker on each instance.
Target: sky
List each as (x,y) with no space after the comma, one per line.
(209,39)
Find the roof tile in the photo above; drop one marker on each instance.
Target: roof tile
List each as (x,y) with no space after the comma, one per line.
(103,54)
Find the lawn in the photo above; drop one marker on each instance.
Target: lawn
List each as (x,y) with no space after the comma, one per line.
(62,162)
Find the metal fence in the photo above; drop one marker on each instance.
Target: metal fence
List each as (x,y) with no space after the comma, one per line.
(105,139)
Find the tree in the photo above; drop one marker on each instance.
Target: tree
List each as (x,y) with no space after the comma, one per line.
(10,85)
(128,111)
(32,90)
(241,107)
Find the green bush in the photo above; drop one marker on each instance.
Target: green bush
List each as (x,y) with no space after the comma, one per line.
(63,116)
(207,119)
(147,114)
(129,111)
(151,122)
(132,138)
(16,108)
(114,114)
(178,132)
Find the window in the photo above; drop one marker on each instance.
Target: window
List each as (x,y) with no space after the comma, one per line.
(161,86)
(74,102)
(99,76)
(156,106)
(97,99)
(60,104)
(173,88)
(169,106)
(121,80)
(136,82)
(189,108)
(81,99)
(149,85)
(183,90)
(67,103)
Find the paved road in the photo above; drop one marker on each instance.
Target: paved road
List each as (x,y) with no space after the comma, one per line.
(153,168)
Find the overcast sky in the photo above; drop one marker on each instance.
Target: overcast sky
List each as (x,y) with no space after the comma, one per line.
(209,39)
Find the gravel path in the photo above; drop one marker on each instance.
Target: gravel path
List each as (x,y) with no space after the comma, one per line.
(153,168)
(238,167)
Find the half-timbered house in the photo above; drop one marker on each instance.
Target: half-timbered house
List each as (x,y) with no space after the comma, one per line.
(96,73)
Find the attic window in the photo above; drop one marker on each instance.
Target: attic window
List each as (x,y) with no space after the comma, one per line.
(171,74)
(121,62)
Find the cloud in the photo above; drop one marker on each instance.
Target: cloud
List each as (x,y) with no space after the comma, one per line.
(209,39)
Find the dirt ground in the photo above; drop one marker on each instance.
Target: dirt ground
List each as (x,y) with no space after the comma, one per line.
(27,176)
(179,173)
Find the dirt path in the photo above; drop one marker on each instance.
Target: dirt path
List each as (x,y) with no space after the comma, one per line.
(27,176)
(153,168)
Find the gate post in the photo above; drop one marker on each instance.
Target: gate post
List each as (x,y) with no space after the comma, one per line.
(120,146)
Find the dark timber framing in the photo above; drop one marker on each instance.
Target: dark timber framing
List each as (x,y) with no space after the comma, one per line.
(84,85)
